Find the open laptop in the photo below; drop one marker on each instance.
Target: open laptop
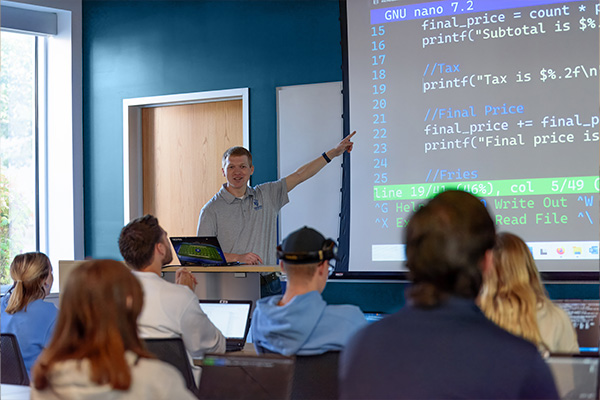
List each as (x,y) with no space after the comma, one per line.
(202,251)
(576,375)
(232,318)
(374,316)
(585,316)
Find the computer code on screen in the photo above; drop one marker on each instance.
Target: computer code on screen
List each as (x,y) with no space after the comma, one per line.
(498,98)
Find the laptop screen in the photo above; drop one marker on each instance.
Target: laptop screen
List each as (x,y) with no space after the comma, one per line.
(373,316)
(585,316)
(204,250)
(231,317)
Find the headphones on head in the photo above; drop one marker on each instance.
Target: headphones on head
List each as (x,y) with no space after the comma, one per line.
(328,251)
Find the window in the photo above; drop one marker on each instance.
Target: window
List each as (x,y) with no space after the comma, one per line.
(18,149)
(41,173)
(18,173)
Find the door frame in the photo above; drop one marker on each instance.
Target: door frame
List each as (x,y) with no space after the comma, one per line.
(132,137)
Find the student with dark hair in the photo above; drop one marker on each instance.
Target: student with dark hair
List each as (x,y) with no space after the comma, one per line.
(441,345)
(24,312)
(301,322)
(170,309)
(96,352)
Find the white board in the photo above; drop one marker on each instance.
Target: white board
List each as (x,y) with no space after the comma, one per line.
(309,122)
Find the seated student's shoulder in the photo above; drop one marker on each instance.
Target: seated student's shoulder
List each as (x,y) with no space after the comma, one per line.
(44,305)
(159,287)
(504,344)
(181,291)
(347,313)
(42,309)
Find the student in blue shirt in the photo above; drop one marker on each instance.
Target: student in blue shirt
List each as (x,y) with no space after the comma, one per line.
(301,322)
(24,312)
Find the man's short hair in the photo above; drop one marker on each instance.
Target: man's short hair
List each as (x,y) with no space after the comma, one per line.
(446,241)
(236,151)
(138,239)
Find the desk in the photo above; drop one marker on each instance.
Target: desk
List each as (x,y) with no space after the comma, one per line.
(232,283)
(14,392)
(248,350)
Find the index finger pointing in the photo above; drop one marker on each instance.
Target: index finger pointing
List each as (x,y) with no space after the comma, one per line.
(350,136)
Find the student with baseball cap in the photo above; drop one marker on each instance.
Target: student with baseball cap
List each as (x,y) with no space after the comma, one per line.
(300,321)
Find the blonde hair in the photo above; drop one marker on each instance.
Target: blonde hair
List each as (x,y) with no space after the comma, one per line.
(29,272)
(513,289)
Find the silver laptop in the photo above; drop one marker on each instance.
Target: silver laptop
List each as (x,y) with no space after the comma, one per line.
(576,376)
(232,318)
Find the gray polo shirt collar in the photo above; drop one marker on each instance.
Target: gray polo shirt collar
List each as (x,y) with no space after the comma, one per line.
(230,198)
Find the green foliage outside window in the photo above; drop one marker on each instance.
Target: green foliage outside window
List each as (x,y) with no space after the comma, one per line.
(17,149)
(5,257)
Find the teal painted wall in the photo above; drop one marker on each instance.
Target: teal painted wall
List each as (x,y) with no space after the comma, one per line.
(149,48)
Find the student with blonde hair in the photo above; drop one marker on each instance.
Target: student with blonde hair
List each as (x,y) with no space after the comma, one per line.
(514,298)
(23,311)
(96,352)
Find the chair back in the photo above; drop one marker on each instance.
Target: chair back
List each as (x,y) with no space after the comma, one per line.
(316,377)
(12,368)
(246,377)
(172,351)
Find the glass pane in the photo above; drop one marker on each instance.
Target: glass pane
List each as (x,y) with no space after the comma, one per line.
(17,149)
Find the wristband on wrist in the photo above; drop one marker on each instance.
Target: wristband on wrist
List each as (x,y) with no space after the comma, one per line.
(326,158)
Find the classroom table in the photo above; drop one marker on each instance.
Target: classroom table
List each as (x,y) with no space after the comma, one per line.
(248,350)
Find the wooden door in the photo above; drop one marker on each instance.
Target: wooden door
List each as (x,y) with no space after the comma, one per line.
(182,147)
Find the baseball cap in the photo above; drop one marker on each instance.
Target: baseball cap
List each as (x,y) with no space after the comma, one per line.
(306,245)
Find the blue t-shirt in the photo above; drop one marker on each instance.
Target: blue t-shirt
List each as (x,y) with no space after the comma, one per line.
(33,328)
(306,325)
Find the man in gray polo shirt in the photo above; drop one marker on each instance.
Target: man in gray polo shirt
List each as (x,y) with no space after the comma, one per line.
(244,218)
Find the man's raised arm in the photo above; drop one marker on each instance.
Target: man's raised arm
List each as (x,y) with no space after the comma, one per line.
(310,169)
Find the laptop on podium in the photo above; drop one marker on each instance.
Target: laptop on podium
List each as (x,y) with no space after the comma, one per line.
(204,251)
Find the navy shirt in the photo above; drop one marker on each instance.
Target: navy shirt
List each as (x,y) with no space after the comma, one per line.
(449,352)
